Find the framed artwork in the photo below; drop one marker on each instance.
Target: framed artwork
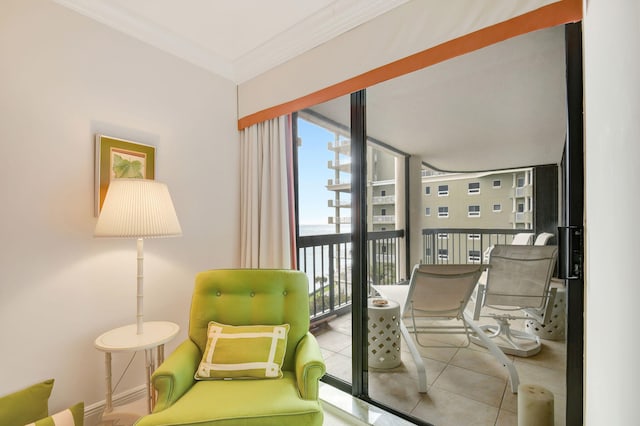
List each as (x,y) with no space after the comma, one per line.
(119,158)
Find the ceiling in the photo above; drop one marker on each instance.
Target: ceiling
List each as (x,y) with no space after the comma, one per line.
(237,39)
(502,106)
(499,107)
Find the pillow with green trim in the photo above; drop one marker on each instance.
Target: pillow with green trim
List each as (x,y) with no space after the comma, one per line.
(26,405)
(243,352)
(73,416)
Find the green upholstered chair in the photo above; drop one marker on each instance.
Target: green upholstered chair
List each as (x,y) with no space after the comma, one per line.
(242,297)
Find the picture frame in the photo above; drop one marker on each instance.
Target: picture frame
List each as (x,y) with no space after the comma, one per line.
(120,158)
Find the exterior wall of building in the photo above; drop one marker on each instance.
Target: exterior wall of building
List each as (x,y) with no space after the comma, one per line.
(488,200)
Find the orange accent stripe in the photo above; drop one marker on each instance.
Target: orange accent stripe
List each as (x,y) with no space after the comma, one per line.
(562,12)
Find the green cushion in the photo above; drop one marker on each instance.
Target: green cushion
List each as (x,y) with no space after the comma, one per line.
(241,352)
(26,405)
(240,403)
(73,416)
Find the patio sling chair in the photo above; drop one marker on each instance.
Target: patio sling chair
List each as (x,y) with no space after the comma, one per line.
(519,239)
(517,283)
(249,358)
(434,302)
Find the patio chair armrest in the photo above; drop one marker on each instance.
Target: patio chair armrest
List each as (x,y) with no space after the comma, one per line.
(309,366)
(175,376)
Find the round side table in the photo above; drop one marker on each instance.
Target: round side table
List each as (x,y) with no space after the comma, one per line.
(125,339)
(383,333)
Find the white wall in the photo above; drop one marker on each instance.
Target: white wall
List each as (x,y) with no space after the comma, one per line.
(64,77)
(612,99)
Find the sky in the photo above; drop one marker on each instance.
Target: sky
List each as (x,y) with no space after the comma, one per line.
(313,172)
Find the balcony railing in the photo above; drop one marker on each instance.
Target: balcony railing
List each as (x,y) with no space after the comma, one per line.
(462,245)
(344,220)
(384,219)
(339,203)
(386,199)
(326,259)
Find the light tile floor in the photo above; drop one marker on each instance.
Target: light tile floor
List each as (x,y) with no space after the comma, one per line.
(465,385)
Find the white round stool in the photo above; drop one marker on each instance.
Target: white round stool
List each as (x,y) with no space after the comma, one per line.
(384,333)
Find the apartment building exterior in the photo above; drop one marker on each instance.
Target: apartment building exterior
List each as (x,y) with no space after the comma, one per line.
(462,211)
(381,186)
(501,199)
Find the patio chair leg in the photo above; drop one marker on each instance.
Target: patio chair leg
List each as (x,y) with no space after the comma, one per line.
(495,351)
(507,337)
(417,359)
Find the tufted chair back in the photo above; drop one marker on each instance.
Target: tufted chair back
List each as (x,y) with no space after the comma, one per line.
(251,297)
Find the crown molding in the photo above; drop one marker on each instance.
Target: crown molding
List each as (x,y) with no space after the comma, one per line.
(330,22)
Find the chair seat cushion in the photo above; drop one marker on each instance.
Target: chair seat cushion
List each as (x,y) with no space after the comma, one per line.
(241,402)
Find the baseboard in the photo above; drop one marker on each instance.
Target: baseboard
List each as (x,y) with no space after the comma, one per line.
(93,412)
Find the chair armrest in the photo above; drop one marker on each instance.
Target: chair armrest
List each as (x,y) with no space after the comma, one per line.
(175,376)
(310,367)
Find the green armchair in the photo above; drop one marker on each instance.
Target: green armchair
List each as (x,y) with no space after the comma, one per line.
(243,297)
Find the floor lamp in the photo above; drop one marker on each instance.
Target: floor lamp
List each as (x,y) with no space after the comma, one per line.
(138,208)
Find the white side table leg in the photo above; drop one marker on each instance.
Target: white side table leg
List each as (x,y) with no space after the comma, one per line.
(150,363)
(109,395)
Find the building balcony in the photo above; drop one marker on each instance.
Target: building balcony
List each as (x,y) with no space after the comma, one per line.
(384,219)
(341,147)
(338,185)
(343,166)
(339,220)
(523,191)
(387,199)
(340,203)
(522,217)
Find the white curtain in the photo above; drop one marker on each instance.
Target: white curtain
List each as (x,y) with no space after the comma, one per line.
(266,196)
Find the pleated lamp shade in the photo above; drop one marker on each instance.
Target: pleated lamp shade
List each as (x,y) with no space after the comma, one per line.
(137,208)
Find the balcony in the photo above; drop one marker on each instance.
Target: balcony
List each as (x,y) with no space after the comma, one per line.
(523,191)
(343,166)
(326,259)
(384,219)
(339,185)
(522,217)
(341,147)
(339,203)
(343,220)
(387,199)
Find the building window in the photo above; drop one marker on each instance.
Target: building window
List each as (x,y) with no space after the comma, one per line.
(443,254)
(497,183)
(443,236)
(427,252)
(383,212)
(520,182)
(474,188)
(473,236)
(427,190)
(383,193)
(497,207)
(443,190)
(520,208)
(427,211)
(383,229)
(474,256)
(443,211)
(474,211)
